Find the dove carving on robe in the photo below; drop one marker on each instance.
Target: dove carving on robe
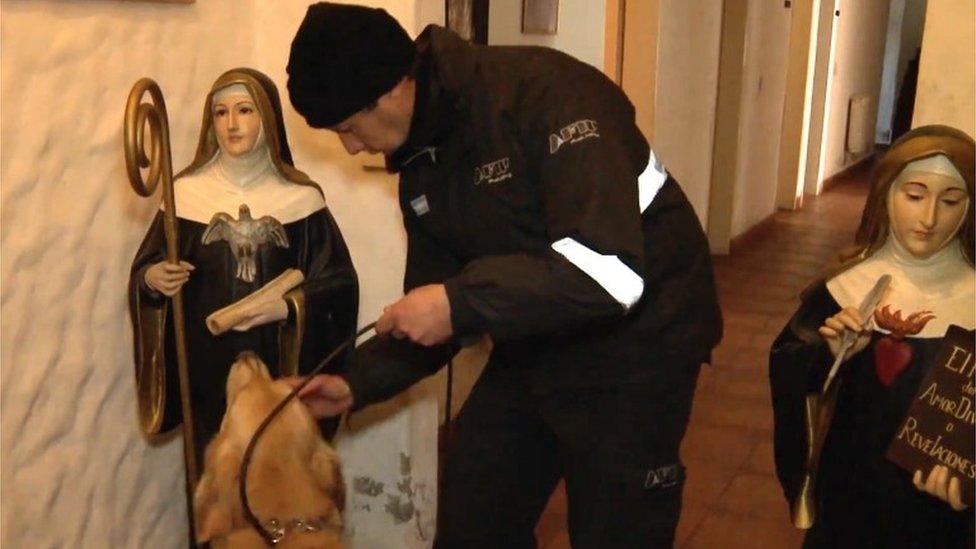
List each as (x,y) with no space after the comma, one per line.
(245,235)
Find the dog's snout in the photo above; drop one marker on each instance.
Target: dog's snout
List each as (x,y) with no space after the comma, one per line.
(248,364)
(249,360)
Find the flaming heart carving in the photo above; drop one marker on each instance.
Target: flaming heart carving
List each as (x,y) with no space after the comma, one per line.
(891,354)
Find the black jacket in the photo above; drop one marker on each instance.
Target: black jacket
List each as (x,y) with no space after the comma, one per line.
(520,171)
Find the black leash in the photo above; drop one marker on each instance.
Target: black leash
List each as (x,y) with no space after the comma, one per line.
(268,537)
(447,399)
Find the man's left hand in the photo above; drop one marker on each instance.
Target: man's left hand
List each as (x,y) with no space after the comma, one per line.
(423,316)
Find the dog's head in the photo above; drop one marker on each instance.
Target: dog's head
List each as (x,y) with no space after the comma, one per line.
(252,395)
(293,473)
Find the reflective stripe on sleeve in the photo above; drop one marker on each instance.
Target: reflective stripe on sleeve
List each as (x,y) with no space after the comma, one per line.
(608,271)
(650,182)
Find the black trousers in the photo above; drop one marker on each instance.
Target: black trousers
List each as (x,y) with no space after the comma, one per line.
(616,447)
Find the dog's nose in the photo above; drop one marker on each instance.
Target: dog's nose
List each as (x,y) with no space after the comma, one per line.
(247,355)
(250,361)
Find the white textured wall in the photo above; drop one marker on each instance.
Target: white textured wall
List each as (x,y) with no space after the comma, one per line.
(947,73)
(363,203)
(580,32)
(75,470)
(687,89)
(859,60)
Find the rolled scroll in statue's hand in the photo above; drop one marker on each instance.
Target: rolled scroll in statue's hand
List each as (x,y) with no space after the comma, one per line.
(240,311)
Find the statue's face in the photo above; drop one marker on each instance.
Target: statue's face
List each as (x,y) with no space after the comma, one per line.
(926,211)
(236,122)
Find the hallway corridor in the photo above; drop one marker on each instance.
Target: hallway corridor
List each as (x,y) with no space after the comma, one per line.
(732,498)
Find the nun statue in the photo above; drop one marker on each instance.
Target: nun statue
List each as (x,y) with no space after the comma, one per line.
(245,216)
(917,227)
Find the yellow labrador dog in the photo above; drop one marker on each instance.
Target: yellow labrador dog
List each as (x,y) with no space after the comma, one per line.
(294,482)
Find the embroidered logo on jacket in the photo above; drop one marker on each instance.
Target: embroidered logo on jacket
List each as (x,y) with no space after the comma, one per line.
(420,205)
(493,172)
(573,133)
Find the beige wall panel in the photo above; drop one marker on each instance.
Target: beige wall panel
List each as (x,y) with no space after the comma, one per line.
(613,39)
(796,107)
(859,57)
(685,96)
(640,60)
(727,120)
(761,113)
(580,32)
(815,134)
(947,77)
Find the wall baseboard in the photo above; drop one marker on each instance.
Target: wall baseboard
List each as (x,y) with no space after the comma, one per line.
(752,235)
(759,231)
(854,170)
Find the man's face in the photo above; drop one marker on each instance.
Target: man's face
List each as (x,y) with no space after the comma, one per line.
(237,123)
(381,127)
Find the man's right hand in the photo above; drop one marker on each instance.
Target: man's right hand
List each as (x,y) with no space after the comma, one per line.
(325,396)
(167,278)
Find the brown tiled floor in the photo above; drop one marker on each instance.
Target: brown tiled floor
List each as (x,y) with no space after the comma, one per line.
(732,498)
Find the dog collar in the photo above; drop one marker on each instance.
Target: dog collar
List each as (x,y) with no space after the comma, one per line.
(279,529)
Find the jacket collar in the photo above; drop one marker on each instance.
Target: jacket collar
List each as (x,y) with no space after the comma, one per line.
(442,58)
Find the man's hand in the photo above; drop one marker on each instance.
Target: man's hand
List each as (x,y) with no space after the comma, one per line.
(423,316)
(325,396)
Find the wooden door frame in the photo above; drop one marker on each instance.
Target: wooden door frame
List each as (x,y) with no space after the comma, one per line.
(632,26)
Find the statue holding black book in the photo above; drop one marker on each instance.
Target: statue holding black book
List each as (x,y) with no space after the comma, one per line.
(837,442)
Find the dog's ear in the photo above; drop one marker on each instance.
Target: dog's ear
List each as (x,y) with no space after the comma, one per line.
(324,467)
(211,518)
(212,522)
(214,497)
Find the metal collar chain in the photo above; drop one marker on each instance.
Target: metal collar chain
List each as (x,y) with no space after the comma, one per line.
(279,530)
(252,519)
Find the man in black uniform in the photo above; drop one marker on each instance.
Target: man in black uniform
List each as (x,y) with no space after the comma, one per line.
(537,214)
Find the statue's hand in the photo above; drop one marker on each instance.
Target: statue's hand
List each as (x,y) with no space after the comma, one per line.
(264,312)
(848,319)
(942,485)
(167,278)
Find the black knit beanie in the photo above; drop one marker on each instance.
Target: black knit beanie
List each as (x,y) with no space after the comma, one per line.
(342,59)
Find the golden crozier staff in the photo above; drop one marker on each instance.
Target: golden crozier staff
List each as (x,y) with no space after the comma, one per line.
(138,115)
